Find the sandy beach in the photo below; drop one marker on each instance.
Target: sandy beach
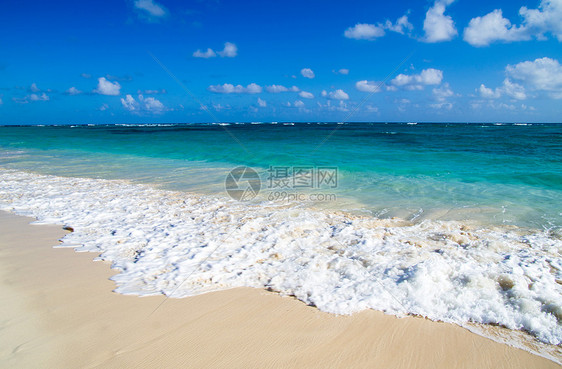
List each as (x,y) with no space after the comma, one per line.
(59,311)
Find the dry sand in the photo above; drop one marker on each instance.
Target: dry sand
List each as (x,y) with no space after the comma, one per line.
(58,311)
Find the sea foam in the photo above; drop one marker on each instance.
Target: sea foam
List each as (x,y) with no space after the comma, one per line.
(182,244)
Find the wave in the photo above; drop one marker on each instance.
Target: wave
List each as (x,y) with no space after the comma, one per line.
(182,244)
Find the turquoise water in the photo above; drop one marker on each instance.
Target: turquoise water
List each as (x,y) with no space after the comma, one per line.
(498,174)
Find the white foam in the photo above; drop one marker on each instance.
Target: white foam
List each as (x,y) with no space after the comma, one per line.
(182,244)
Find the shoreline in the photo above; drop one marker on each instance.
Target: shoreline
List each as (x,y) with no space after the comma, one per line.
(61,312)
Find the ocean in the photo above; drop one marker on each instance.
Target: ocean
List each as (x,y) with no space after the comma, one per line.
(459,223)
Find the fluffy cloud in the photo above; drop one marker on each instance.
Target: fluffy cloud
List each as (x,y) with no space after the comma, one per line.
(364,31)
(298,104)
(514,90)
(262,103)
(482,31)
(541,75)
(336,95)
(343,71)
(544,74)
(36,95)
(41,97)
(439,27)
(508,88)
(428,76)
(142,105)
(400,26)
(151,8)
(228,88)
(442,93)
(204,54)
(306,95)
(488,93)
(279,88)
(367,86)
(73,91)
(230,51)
(307,73)
(106,87)
(341,106)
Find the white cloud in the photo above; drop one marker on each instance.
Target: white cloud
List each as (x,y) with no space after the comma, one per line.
(341,106)
(439,27)
(143,105)
(482,31)
(42,97)
(400,26)
(343,71)
(488,93)
(298,104)
(338,95)
(34,88)
(442,105)
(73,91)
(204,54)
(106,87)
(153,92)
(152,8)
(428,76)
(307,73)
(253,88)
(228,88)
(129,103)
(152,105)
(371,109)
(262,103)
(306,95)
(230,50)
(324,93)
(279,88)
(364,31)
(367,86)
(508,88)
(219,107)
(104,107)
(443,92)
(513,90)
(544,74)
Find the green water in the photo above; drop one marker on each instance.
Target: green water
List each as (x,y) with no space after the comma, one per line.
(498,174)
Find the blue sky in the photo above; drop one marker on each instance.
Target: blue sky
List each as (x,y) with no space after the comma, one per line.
(144,61)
